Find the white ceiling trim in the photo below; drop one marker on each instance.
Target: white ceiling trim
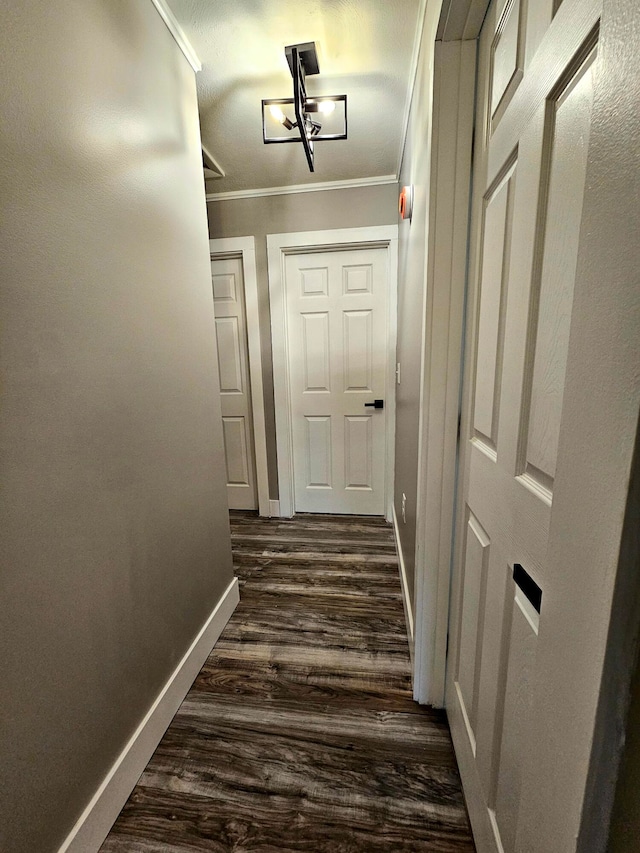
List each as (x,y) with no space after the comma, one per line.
(412,79)
(178,33)
(212,164)
(305,188)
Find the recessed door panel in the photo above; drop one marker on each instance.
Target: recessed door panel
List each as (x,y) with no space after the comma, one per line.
(236,451)
(224,287)
(315,336)
(566,140)
(517,703)
(357,278)
(470,646)
(358,350)
(358,449)
(318,461)
(230,361)
(314,281)
(506,56)
(493,291)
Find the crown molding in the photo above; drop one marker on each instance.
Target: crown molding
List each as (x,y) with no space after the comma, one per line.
(212,164)
(305,188)
(178,33)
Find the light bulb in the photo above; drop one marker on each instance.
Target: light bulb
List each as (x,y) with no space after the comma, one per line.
(326,107)
(277,113)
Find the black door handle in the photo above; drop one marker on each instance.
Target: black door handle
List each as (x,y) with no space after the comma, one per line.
(377,404)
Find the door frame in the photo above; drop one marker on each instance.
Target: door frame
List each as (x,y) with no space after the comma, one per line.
(300,242)
(454,82)
(591,538)
(245,249)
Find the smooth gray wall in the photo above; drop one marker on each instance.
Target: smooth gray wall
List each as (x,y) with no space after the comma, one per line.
(279,214)
(412,271)
(113,525)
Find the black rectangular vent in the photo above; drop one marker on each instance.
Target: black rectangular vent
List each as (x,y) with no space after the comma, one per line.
(528,586)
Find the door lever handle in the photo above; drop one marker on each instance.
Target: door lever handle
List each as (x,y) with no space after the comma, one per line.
(377,404)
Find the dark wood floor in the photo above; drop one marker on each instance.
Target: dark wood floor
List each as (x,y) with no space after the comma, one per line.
(300,733)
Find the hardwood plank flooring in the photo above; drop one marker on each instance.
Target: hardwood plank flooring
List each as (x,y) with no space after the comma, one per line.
(300,733)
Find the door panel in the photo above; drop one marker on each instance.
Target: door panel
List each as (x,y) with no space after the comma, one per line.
(520,649)
(358,350)
(231,338)
(493,288)
(492,671)
(476,562)
(567,138)
(230,365)
(235,448)
(337,350)
(314,281)
(532,135)
(318,455)
(507,56)
(315,337)
(358,452)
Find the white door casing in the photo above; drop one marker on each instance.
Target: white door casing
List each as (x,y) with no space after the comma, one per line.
(235,299)
(454,72)
(333,313)
(535,96)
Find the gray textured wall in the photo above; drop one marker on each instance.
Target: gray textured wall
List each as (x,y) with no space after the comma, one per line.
(279,214)
(114,544)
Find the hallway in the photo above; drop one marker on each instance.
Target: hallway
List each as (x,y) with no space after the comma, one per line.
(300,733)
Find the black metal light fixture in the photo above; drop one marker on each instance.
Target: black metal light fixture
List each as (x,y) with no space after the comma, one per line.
(316,118)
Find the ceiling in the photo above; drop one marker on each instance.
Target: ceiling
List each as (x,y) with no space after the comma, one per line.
(366,50)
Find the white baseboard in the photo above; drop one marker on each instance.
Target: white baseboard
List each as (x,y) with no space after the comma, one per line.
(406,599)
(97,819)
(274,509)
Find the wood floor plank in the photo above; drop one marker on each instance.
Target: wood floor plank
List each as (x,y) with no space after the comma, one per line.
(300,734)
(308,684)
(189,822)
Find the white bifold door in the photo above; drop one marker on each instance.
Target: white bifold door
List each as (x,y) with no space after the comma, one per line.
(538,63)
(337,310)
(233,364)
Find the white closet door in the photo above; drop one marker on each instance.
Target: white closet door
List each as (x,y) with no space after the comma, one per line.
(231,335)
(337,348)
(535,96)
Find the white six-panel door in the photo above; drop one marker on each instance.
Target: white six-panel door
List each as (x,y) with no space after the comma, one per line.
(535,95)
(231,336)
(336,303)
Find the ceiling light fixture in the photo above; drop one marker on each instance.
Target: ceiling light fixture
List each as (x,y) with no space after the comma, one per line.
(332,109)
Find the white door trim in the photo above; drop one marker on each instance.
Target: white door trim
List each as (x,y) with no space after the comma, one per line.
(278,246)
(244,247)
(453,114)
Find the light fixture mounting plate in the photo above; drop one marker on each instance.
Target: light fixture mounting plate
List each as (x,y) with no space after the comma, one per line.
(307,55)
